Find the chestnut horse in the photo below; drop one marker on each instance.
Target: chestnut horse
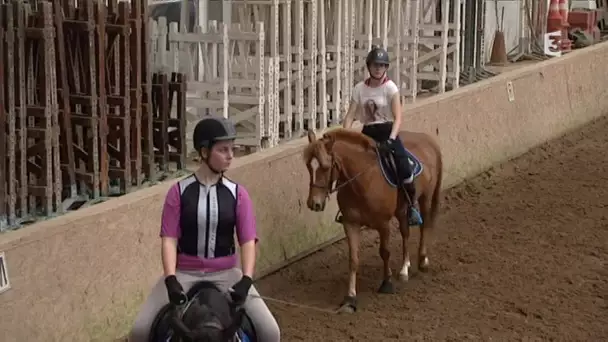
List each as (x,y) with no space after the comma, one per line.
(368,194)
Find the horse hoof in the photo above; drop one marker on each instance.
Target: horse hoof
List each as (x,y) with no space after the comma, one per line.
(348,305)
(424,265)
(386,287)
(404,277)
(346,309)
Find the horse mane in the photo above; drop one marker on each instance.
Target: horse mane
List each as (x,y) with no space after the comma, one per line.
(350,136)
(338,134)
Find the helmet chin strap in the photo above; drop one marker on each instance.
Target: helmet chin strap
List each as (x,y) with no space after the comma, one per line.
(206,160)
(381,78)
(214,170)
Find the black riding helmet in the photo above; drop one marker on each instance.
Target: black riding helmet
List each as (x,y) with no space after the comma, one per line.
(210,130)
(379,56)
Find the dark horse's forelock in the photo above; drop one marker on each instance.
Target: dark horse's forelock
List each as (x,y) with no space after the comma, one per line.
(210,317)
(205,325)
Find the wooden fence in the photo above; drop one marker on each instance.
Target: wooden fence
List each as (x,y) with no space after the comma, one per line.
(96,99)
(284,66)
(82,116)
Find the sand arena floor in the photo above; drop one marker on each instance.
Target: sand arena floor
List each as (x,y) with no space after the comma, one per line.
(519,253)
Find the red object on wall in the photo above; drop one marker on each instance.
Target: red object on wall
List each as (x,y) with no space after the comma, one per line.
(586,21)
(583,19)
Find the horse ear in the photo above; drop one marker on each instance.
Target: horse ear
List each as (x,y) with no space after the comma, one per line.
(330,139)
(237,320)
(311,136)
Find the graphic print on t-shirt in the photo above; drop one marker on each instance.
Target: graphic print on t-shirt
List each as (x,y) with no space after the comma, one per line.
(371,111)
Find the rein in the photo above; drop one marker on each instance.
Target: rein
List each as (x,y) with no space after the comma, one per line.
(298,305)
(328,186)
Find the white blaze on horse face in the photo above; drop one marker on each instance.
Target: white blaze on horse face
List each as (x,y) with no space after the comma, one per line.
(314,166)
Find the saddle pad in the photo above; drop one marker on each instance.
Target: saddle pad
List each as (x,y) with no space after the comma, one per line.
(388,168)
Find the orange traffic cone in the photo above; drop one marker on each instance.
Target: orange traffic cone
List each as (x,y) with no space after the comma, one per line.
(554,24)
(566,45)
(499,50)
(554,19)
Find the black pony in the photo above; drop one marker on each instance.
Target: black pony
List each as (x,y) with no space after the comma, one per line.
(208,316)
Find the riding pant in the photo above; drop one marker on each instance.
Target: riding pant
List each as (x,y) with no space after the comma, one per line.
(265,325)
(381,132)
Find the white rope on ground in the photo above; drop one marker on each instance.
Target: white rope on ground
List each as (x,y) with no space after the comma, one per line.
(303,306)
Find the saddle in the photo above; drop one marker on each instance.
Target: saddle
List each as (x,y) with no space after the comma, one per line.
(161,330)
(388,166)
(387,163)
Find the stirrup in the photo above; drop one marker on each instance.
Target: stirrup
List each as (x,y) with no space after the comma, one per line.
(338,217)
(415,219)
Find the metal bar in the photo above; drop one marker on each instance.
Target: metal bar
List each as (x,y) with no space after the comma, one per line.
(3,131)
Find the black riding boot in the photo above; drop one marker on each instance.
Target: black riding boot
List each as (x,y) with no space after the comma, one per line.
(404,171)
(405,176)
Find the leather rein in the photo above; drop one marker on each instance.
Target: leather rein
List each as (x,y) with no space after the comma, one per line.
(335,166)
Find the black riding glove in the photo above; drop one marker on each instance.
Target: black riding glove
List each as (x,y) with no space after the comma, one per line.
(387,145)
(175,291)
(240,290)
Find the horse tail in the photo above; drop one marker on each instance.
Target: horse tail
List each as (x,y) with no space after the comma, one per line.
(436,199)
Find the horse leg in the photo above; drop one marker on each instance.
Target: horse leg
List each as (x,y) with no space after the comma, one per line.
(385,254)
(425,230)
(352,231)
(404,228)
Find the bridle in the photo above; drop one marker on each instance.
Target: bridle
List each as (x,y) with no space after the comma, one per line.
(179,312)
(328,186)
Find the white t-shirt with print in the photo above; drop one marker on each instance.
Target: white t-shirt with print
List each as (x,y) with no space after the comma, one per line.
(374,102)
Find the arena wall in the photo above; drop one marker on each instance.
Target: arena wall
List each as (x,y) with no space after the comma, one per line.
(81,277)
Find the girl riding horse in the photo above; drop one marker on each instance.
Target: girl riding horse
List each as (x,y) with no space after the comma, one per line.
(351,163)
(200,216)
(380,101)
